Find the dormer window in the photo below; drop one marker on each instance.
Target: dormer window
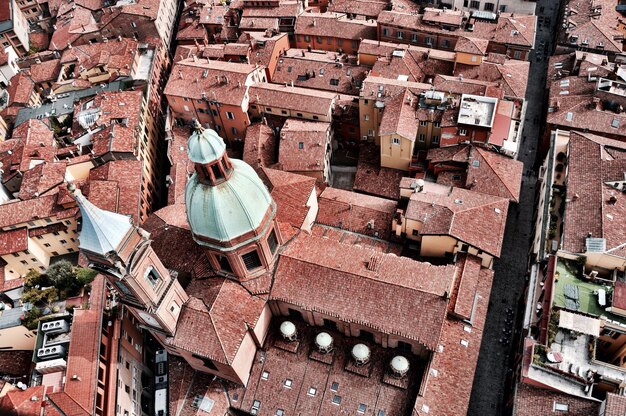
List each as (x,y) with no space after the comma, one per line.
(252,260)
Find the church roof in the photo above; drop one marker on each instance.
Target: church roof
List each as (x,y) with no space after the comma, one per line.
(102,231)
(229,209)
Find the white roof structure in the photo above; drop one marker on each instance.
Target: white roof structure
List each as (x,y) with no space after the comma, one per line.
(400,364)
(477,110)
(360,352)
(287,329)
(579,323)
(102,231)
(323,340)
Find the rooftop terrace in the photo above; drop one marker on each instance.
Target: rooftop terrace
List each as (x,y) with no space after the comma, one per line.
(477,110)
(577,294)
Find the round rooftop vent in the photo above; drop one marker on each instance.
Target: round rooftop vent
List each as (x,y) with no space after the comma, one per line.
(324,342)
(288,330)
(361,354)
(399,366)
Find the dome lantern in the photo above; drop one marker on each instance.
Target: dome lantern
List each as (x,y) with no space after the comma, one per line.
(208,153)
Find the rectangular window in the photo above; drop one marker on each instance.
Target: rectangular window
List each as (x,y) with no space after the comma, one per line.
(422,137)
(152,276)
(301,145)
(423,123)
(252,260)
(489,7)
(474,4)
(400,34)
(307,38)
(224,264)
(234,130)
(435,139)
(272,241)
(445,43)
(413,37)
(436,124)
(385,32)
(428,41)
(366,117)
(517,55)
(230,115)
(395,140)
(462,132)
(319,39)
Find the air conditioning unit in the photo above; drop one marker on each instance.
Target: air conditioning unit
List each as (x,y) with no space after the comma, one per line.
(51,352)
(55,327)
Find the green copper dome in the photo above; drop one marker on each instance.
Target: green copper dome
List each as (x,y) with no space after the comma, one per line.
(205,146)
(229,209)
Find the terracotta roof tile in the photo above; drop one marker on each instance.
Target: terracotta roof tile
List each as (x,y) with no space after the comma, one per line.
(259,146)
(533,401)
(615,405)
(41,179)
(593,161)
(20,89)
(474,218)
(513,75)
(23,403)
(393,281)
(318,71)
(291,192)
(213,322)
(373,179)
(303,145)
(188,80)
(366,8)
(486,172)
(455,363)
(335,25)
(399,117)
(84,349)
(13,241)
(470,45)
(45,71)
(293,98)
(359,213)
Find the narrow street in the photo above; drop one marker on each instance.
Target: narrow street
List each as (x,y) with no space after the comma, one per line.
(491,380)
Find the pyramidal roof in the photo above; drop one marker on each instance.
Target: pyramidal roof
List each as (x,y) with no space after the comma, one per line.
(102,231)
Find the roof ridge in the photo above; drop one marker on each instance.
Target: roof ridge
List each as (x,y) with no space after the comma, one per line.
(480,151)
(384,256)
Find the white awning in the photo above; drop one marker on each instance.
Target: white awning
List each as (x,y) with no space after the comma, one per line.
(579,323)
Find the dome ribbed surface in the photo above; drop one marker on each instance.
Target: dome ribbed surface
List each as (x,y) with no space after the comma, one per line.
(229,209)
(205,146)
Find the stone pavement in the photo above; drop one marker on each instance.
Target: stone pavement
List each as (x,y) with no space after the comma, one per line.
(492,379)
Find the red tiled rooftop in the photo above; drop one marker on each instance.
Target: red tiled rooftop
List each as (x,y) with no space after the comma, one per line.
(84,349)
(303,145)
(13,241)
(46,71)
(363,214)
(292,98)
(534,401)
(448,393)
(213,321)
(259,146)
(334,25)
(188,80)
(593,161)
(474,218)
(291,192)
(396,282)
(305,373)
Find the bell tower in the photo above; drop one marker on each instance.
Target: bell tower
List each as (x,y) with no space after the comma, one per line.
(229,210)
(122,251)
